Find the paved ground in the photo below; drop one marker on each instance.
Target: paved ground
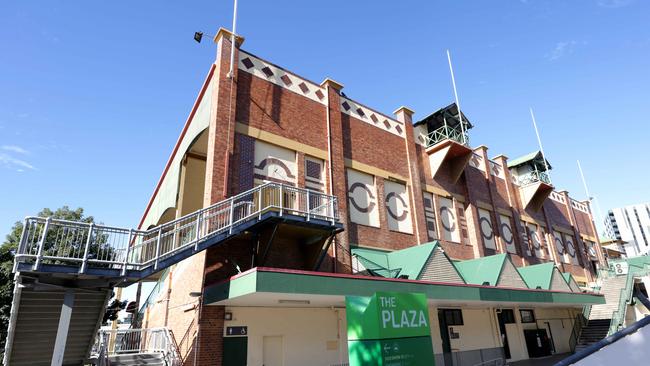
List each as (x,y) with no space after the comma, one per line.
(545,361)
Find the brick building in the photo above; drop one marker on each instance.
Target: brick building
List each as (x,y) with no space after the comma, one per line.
(421,210)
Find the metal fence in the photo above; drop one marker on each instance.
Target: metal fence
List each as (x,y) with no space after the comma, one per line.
(534,177)
(53,241)
(447,133)
(133,341)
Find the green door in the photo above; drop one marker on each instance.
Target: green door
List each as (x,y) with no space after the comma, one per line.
(235,350)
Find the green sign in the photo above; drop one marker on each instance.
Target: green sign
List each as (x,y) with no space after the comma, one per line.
(389,329)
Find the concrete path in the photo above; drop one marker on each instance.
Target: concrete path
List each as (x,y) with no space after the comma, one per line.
(544,361)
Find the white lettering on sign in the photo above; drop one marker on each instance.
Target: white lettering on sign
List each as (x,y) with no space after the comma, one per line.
(388,302)
(408,319)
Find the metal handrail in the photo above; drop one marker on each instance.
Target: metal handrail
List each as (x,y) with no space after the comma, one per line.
(625,296)
(533,177)
(447,133)
(111,342)
(54,241)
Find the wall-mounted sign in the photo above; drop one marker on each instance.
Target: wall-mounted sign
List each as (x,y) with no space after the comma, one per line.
(389,328)
(619,268)
(236,331)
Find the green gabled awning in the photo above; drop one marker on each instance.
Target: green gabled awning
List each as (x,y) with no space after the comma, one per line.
(534,157)
(538,275)
(405,263)
(573,285)
(411,260)
(481,270)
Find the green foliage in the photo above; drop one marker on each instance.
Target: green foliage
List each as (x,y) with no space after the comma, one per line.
(7,250)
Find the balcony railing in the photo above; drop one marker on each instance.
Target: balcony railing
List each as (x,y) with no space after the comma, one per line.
(447,133)
(112,342)
(52,241)
(534,177)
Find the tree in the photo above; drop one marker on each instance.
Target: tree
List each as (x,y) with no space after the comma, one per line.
(7,251)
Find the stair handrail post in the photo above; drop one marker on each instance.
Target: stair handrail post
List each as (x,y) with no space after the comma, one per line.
(41,243)
(259,202)
(21,244)
(281,199)
(126,254)
(308,204)
(232,214)
(84,262)
(197,229)
(155,265)
(332,213)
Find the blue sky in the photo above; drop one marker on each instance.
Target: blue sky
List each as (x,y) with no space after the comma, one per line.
(94,94)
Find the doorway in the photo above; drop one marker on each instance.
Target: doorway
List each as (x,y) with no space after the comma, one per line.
(273,353)
(537,342)
(235,351)
(505,316)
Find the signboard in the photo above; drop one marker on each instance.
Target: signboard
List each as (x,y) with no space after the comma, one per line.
(389,328)
(620,268)
(236,331)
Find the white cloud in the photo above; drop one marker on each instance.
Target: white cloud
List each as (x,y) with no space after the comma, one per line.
(14,148)
(562,49)
(613,4)
(16,164)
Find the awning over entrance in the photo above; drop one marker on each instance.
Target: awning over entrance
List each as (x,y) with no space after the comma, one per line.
(277,287)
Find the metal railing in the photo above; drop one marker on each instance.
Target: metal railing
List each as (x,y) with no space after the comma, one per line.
(54,241)
(112,342)
(578,324)
(447,133)
(533,177)
(625,296)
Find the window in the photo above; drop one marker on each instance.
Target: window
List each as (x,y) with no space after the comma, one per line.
(527,316)
(453,316)
(508,316)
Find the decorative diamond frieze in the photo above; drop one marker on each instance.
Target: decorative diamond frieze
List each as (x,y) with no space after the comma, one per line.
(278,76)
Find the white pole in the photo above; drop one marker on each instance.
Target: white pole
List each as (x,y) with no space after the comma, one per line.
(232,41)
(590,198)
(584,182)
(539,141)
(453,83)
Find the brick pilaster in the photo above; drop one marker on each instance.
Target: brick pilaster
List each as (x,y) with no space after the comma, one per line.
(405,115)
(336,177)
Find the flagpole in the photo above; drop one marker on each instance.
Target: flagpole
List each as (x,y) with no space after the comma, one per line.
(589,196)
(232,41)
(453,83)
(539,141)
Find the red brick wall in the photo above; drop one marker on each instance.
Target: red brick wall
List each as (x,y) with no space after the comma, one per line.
(268,107)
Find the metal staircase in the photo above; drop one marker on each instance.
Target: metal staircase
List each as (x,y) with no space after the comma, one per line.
(131,347)
(76,259)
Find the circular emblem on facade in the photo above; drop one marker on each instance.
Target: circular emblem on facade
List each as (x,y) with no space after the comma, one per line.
(506,233)
(559,246)
(592,251)
(394,196)
(486,228)
(447,220)
(535,238)
(570,248)
(364,207)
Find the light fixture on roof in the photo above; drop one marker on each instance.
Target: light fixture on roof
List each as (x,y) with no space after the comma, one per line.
(294,302)
(198,36)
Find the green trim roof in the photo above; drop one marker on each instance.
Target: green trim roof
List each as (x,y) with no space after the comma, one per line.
(534,157)
(538,275)
(481,270)
(266,280)
(406,262)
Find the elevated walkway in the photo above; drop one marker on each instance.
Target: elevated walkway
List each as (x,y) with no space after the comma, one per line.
(74,257)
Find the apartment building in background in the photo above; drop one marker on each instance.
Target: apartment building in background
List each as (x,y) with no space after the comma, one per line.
(632,225)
